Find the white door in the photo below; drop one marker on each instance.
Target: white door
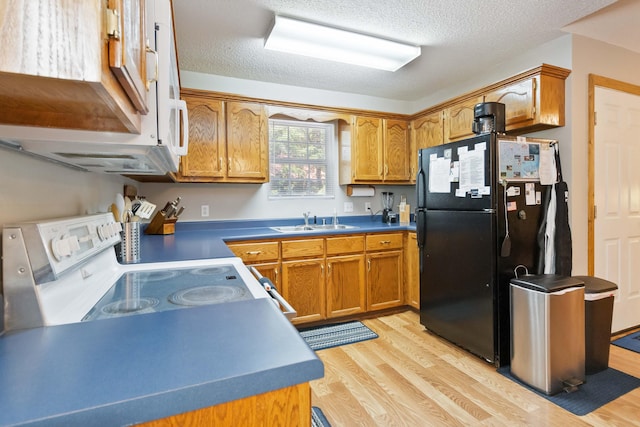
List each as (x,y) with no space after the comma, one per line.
(617,200)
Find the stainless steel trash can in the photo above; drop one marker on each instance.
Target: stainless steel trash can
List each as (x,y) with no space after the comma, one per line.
(598,314)
(547,332)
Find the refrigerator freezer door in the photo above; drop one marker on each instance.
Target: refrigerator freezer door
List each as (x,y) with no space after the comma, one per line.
(469,166)
(457,281)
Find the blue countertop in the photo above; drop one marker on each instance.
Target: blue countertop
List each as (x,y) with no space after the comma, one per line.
(134,369)
(206,239)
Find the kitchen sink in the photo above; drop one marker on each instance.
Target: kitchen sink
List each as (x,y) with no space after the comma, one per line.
(312,227)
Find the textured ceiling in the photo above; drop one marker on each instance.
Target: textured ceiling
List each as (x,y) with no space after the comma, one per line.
(458,37)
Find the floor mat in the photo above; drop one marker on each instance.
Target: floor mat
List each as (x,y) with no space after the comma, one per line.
(598,390)
(334,335)
(630,342)
(317,418)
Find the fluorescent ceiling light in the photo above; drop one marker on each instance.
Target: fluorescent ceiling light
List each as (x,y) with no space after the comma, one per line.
(309,39)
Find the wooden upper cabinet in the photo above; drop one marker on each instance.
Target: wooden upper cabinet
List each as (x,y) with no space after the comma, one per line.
(534,103)
(426,131)
(75,86)
(247,141)
(228,141)
(128,49)
(368,154)
(458,119)
(207,150)
(396,153)
(519,99)
(379,152)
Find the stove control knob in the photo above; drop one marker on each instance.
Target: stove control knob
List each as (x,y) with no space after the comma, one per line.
(64,247)
(116,228)
(103,232)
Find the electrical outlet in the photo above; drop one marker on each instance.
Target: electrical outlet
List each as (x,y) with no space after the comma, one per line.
(204,210)
(367,206)
(348,206)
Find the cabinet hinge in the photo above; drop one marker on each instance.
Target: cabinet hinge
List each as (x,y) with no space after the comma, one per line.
(595,118)
(113,23)
(595,211)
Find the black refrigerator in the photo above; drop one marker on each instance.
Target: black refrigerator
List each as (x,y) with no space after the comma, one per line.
(469,193)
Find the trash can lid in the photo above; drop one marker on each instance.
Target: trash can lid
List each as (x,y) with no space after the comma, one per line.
(547,283)
(595,285)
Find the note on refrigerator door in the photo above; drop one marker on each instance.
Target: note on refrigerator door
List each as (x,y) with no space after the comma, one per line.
(472,174)
(548,171)
(530,193)
(439,170)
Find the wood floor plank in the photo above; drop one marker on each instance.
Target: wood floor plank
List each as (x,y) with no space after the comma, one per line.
(410,377)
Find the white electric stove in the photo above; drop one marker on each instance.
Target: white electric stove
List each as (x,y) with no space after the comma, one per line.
(65,271)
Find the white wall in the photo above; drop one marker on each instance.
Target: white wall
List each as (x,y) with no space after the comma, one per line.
(595,57)
(250,201)
(34,189)
(302,95)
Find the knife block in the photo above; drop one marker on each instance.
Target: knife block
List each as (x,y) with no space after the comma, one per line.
(161,225)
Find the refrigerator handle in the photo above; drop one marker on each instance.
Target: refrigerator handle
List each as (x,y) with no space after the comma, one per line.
(421,226)
(421,189)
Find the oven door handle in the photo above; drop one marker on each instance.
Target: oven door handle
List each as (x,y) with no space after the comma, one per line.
(268,286)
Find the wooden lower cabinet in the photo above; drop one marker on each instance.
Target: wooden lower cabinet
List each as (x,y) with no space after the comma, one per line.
(345,285)
(303,286)
(412,271)
(269,270)
(264,256)
(333,276)
(384,280)
(289,406)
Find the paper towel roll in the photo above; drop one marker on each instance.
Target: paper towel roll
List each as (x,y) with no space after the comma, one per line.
(363,191)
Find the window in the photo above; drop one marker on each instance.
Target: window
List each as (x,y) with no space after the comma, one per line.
(299,154)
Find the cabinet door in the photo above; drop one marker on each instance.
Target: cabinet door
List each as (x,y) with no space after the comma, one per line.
(303,286)
(384,279)
(269,270)
(207,153)
(345,285)
(458,120)
(127,51)
(412,279)
(367,149)
(54,68)
(520,102)
(396,151)
(427,131)
(247,141)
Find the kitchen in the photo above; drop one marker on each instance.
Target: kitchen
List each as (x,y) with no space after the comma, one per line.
(35,190)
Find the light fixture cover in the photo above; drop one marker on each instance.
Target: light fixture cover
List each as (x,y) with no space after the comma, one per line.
(319,41)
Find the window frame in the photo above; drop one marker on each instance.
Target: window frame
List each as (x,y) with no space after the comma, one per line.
(329,163)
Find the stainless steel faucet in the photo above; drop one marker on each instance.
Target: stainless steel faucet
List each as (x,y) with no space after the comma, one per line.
(306,218)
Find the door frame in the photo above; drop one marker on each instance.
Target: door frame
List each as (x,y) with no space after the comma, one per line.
(607,83)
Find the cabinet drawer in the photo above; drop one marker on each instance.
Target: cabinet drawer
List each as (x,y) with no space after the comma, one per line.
(252,252)
(345,245)
(302,248)
(377,242)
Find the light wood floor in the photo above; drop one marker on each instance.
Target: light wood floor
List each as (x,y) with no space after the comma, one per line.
(408,377)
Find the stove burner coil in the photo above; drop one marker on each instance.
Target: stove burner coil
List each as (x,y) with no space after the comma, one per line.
(216,270)
(133,305)
(155,275)
(205,295)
